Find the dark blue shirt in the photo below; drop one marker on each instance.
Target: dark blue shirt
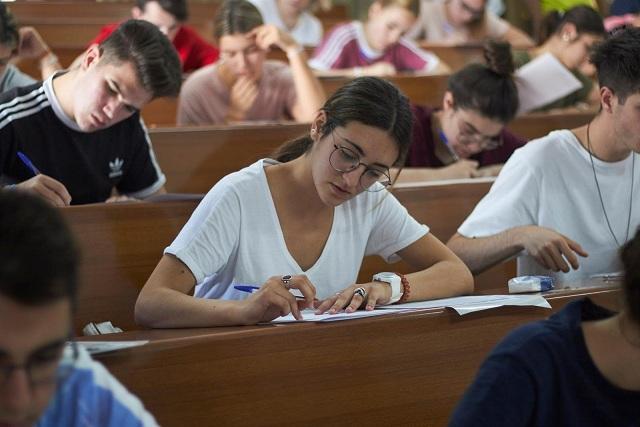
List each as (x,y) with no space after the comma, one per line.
(542,375)
(622,7)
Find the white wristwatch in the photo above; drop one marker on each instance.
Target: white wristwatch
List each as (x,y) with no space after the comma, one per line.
(394,281)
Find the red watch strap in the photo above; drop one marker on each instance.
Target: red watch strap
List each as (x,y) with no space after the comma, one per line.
(406,288)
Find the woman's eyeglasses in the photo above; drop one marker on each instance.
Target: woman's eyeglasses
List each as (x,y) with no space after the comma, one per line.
(344,159)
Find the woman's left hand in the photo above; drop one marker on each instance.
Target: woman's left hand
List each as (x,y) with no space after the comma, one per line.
(349,300)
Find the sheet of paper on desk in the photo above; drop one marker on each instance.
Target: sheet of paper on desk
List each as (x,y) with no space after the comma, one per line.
(310,316)
(469,304)
(97,347)
(542,81)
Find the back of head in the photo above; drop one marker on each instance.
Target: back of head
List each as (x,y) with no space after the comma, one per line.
(586,20)
(236,17)
(617,61)
(153,56)
(630,255)
(369,100)
(488,89)
(176,8)
(39,257)
(9,36)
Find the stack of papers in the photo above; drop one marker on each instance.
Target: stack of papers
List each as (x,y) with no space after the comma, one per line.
(462,305)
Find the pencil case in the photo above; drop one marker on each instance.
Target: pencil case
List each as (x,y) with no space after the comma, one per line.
(530,284)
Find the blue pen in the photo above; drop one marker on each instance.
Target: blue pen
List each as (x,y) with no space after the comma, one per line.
(252,288)
(444,139)
(28,163)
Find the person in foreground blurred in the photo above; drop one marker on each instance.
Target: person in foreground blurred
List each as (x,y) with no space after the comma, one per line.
(581,367)
(43,380)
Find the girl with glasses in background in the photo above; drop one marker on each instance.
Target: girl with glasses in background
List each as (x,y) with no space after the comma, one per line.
(305,219)
(467,138)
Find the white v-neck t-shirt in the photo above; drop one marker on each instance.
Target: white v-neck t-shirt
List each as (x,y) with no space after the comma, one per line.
(549,182)
(234,237)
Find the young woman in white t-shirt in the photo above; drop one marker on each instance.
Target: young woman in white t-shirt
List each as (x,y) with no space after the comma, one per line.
(305,220)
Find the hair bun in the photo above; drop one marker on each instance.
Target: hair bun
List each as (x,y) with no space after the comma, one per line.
(498,57)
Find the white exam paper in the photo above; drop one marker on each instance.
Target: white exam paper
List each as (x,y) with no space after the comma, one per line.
(97,347)
(309,315)
(472,303)
(542,81)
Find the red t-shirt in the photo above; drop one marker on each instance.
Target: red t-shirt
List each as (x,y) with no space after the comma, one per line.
(193,50)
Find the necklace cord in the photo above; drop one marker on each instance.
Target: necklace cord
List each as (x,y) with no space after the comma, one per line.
(595,178)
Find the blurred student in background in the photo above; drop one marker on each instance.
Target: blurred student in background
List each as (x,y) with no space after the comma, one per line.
(294,17)
(170,17)
(452,22)
(244,85)
(23,43)
(466,137)
(376,47)
(570,36)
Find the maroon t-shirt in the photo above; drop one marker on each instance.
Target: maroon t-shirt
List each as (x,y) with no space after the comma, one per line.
(422,152)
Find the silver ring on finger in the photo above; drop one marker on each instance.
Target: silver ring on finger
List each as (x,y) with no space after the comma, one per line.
(360,291)
(286,281)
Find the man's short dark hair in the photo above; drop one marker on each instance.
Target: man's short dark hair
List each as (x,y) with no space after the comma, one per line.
(152,54)
(9,35)
(177,8)
(38,256)
(617,60)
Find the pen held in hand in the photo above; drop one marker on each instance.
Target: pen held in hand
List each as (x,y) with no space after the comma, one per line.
(28,163)
(252,288)
(450,149)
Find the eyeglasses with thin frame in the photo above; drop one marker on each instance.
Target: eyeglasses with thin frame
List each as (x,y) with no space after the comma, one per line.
(44,369)
(469,136)
(344,159)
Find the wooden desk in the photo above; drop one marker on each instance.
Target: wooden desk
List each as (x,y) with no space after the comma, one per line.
(122,243)
(195,158)
(407,369)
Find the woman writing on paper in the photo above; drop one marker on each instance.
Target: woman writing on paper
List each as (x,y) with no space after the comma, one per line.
(466,137)
(305,220)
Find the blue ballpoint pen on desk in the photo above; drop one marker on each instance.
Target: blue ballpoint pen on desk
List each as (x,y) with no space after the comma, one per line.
(252,288)
(445,140)
(28,163)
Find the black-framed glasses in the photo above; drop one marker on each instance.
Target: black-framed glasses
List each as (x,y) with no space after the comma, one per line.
(43,369)
(344,159)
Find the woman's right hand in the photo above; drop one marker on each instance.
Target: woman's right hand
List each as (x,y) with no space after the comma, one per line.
(241,98)
(273,300)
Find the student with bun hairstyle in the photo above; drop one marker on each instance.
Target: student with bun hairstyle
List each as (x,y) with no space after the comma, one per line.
(376,47)
(569,37)
(466,137)
(244,85)
(305,219)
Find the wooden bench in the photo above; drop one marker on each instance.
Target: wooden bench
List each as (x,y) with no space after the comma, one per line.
(191,156)
(195,158)
(405,369)
(122,243)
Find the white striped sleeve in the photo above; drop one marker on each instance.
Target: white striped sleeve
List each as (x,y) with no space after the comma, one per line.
(330,51)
